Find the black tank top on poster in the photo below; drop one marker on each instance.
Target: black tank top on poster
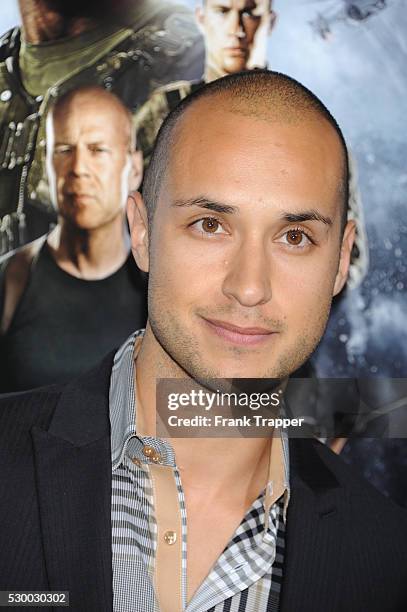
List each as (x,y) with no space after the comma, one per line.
(64,325)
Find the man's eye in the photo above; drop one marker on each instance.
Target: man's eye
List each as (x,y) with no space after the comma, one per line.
(222,10)
(209,225)
(98,150)
(62,150)
(296,238)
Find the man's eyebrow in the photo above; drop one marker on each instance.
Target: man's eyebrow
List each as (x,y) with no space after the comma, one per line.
(219,207)
(206,203)
(306,215)
(92,143)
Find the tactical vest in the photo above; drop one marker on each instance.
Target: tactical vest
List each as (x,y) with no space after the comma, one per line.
(167,48)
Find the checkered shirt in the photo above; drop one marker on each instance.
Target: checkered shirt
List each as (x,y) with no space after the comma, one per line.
(248,574)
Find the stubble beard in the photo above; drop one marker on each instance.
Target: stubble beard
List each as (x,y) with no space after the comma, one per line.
(184,353)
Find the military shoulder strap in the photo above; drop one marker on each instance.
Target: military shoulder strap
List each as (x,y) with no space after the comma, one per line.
(174,95)
(7,43)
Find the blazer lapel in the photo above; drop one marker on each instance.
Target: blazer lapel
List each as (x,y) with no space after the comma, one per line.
(314,565)
(73,471)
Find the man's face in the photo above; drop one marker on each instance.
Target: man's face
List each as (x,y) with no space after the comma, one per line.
(245,244)
(89,165)
(235,33)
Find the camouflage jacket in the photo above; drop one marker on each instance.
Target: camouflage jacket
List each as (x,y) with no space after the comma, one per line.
(153,112)
(164,45)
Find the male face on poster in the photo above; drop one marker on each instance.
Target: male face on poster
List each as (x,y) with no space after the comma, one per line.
(235,34)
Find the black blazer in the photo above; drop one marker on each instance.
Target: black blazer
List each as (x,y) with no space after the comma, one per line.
(346,544)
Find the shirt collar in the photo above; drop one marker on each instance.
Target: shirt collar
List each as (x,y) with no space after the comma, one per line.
(278,482)
(122,398)
(122,402)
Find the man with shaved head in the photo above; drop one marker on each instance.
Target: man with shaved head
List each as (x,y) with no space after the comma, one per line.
(72,296)
(243,233)
(267,103)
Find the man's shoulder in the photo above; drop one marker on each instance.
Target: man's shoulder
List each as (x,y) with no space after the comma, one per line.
(363,499)
(168,28)
(14,275)
(7,42)
(80,406)
(22,256)
(183,88)
(174,18)
(21,411)
(350,537)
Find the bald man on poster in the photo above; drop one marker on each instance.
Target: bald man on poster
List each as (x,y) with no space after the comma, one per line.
(129,47)
(58,293)
(243,230)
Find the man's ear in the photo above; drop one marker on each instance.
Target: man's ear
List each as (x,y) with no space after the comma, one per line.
(136,171)
(138,224)
(348,239)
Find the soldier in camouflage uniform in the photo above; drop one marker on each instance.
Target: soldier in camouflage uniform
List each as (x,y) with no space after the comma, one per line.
(62,45)
(236,33)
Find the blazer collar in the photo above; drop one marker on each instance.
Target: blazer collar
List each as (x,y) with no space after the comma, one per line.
(73,477)
(82,413)
(73,473)
(315,550)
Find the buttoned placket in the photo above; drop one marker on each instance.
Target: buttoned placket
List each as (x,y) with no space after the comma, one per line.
(156,458)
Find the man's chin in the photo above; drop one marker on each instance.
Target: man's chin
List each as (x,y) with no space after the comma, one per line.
(246,385)
(233,65)
(232,374)
(84,221)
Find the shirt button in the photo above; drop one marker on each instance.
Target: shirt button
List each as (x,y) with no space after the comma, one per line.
(156,458)
(148,451)
(170,537)
(136,461)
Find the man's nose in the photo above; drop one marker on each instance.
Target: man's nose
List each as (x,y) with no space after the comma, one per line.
(235,25)
(79,162)
(248,276)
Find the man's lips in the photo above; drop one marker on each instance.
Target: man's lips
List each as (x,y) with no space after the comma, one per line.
(80,197)
(236,49)
(237,334)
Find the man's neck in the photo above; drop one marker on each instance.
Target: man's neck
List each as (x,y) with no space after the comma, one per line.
(235,468)
(90,254)
(42,24)
(208,465)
